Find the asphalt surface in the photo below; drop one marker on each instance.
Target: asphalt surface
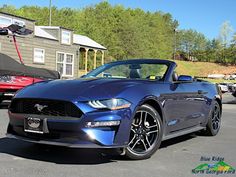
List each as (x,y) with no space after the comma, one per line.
(176,157)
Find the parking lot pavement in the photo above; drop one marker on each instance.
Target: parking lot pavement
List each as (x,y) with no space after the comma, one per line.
(176,157)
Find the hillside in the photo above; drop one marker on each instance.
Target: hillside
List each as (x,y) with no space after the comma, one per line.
(203,69)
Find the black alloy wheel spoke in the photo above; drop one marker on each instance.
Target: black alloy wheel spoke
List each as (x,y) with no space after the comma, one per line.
(216,118)
(144,132)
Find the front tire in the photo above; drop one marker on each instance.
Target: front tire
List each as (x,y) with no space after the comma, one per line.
(145,135)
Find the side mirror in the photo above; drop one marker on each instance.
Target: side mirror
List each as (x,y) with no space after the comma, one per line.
(185,78)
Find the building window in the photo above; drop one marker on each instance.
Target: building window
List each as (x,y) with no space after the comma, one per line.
(65,37)
(65,64)
(5,21)
(39,55)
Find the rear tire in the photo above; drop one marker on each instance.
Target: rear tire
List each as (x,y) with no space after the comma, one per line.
(145,135)
(214,121)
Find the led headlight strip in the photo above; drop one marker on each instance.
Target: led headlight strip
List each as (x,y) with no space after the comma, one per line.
(113,104)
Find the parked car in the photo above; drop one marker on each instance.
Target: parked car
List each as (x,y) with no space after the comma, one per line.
(15,76)
(234,93)
(233,76)
(232,87)
(10,84)
(135,107)
(216,76)
(223,87)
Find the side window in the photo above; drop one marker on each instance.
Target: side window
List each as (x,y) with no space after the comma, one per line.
(66,37)
(39,55)
(65,64)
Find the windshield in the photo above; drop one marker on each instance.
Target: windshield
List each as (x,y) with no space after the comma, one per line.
(133,70)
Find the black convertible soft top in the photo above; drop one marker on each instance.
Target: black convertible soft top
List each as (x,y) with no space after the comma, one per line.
(9,66)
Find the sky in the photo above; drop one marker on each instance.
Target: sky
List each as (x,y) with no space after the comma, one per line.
(205,16)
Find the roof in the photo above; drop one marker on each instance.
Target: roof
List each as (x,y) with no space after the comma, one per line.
(87,42)
(56,27)
(39,32)
(77,39)
(49,27)
(17,16)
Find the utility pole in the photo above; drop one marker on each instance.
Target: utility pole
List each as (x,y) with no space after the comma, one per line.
(175,43)
(50,12)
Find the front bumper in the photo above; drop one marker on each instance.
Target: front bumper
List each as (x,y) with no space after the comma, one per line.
(7,96)
(72,132)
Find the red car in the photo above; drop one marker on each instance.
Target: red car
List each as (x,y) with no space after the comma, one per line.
(15,75)
(10,84)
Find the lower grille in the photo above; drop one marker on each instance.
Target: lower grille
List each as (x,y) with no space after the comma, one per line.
(45,107)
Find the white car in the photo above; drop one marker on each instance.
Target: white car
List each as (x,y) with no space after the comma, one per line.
(234,87)
(223,87)
(233,76)
(216,76)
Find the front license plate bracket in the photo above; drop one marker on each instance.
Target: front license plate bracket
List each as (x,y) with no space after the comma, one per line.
(35,125)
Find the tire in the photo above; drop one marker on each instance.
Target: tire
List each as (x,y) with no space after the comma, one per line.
(145,134)
(214,121)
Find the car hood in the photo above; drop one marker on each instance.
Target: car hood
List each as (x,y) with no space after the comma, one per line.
(80,89)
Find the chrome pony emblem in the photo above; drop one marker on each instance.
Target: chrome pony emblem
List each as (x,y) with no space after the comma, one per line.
(40,107)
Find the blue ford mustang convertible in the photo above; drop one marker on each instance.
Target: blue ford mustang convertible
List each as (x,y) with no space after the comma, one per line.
(131,105)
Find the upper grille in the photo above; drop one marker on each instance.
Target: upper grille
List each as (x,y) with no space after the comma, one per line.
(51,107)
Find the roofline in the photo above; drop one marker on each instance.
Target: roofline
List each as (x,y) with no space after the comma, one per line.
(45,38)
(55,27)
(18,16)
(86,46)
(48,27)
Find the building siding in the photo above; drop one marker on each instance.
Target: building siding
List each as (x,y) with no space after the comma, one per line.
(27,44)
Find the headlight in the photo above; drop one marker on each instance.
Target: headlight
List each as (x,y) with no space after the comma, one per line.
(112,104)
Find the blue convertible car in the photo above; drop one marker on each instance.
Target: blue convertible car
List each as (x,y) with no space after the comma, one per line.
(131,105)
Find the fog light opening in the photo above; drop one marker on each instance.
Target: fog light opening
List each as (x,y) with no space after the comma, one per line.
(103,123)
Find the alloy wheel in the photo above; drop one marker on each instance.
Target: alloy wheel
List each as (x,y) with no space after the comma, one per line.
(216,118)
(144,132)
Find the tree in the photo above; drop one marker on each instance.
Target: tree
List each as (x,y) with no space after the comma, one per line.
(192,44)
(225,32)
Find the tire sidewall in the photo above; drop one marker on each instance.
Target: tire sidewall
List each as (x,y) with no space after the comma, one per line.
(130,154)
(210,125)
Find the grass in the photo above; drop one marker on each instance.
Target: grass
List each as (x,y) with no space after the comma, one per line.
(200,68)
(203,69)
(220,81)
